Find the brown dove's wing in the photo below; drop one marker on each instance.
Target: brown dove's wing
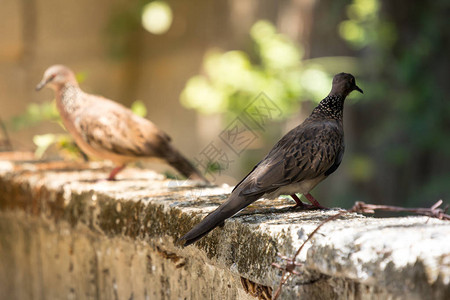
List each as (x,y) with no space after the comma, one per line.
(109,126)
(306,152)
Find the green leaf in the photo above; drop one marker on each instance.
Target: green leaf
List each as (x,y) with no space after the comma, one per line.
(43,142)
(138,108)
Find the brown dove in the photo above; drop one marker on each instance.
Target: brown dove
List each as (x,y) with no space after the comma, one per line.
(305,156)
(107,130)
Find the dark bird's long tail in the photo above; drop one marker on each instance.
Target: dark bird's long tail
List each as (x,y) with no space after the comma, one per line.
(230,207)
(182,165)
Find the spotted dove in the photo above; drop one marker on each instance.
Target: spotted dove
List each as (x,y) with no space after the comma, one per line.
(305,156)
(107,130)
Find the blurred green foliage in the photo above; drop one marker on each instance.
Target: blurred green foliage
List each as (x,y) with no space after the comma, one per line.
(138,108)
(364,26)
(35,113)
(406,134)
(123,29)
(63,143)
(230,80)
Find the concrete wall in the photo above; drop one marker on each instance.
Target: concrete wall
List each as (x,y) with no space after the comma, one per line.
(64,234)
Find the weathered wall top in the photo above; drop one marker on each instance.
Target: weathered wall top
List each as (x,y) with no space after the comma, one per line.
(139,217)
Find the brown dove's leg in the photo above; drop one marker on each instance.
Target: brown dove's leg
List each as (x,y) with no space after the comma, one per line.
(112,175)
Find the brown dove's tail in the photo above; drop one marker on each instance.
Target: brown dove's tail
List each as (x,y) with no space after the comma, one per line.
(230,207)
(182,165)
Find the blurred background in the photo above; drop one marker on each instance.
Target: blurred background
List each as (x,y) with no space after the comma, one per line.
(196,69)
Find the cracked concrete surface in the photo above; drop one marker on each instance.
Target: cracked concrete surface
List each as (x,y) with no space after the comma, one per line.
(64,234)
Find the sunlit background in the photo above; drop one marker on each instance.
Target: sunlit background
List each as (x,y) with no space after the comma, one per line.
(193,67)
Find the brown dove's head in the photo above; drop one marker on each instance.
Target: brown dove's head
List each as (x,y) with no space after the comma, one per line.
(56,76)
(344,84)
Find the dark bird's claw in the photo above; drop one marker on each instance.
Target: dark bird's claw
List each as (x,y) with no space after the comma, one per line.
(305,206)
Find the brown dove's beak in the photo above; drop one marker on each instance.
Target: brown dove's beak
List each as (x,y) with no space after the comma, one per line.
(358,89)
(43,83)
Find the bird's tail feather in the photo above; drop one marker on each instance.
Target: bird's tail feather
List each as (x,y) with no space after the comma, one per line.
(182,165)
(233,205)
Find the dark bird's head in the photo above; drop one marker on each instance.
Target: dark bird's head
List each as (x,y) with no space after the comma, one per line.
(56,76)
(344,84)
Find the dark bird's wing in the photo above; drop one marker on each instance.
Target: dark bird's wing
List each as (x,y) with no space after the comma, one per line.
(306,152)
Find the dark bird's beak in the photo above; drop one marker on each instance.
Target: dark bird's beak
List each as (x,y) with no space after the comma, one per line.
(43,83)
(356,88)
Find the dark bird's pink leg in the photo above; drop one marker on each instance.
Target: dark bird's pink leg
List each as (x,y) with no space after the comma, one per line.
(300,205)
(297,200)
(313,201)
(112,175)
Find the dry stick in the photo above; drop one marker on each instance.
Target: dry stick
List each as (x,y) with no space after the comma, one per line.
(283,280)
(434,211)
(361,207)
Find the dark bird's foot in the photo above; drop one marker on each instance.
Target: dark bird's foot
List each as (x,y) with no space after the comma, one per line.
(302,206)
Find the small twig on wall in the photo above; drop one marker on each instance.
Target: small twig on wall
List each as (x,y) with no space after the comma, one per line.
(359,207)
(434,211)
